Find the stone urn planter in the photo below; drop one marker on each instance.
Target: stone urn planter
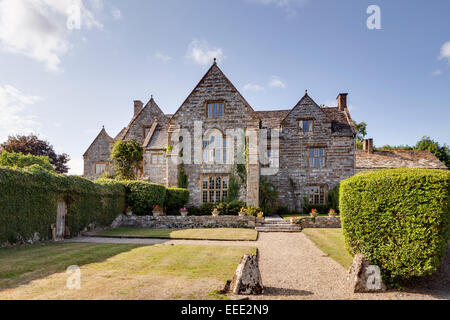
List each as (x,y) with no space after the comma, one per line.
(293,220)
(157,211)
(215,212)
(184,212)
(242,212)
(332,213)
(128,211)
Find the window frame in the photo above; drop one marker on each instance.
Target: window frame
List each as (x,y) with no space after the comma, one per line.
(319,157)
(302,128)
(209,154)
(213,191)
(144,128)
(213,102)
(106,164)
(157,154)
(311,196)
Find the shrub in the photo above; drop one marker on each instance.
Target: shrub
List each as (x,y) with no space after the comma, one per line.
(321,208)
(194,211)
(20,160)
(29,198)
(253,211)
(397,218)
(283,210)
(230,208)
(333,198)
(127,157)
(207,208)
(176,198)
(142,196)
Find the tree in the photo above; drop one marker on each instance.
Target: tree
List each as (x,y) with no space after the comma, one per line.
(441,152)
(361,132)
(31,144)
(127,157)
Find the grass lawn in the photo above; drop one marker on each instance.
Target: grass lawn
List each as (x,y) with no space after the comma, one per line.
(330,241)
(205,234)
(118,271)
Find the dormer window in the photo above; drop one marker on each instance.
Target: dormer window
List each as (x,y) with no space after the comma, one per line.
(306,125)
(146,131)
(215,109)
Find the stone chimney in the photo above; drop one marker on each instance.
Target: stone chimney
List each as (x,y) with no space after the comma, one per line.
(342,101)
(368,145)
(137,106)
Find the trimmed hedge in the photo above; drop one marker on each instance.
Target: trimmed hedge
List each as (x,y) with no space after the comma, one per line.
(176,198)
(28,202)
(397,218)
(142,196)
(20,160)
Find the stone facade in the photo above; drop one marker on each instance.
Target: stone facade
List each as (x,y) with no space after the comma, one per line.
(244,130)
(179,222)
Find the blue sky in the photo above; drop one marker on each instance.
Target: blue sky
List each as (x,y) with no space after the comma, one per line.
(66,83)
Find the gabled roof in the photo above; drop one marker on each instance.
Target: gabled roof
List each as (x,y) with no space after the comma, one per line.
(150,104)
(102,133)
(305,100)
(340,123)
(388,159)
(215,67)
(150,134)
(272,119)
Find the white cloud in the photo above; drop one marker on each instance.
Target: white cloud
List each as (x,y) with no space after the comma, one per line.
(436,72)
(163,57)
(200,52)
(116,14)
(276,82)
(252,87)
(14,114)
(445,51)
(40,28)
(289,6)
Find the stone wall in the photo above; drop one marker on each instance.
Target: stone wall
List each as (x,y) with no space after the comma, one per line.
(178,222)
(98,152)
(321,222)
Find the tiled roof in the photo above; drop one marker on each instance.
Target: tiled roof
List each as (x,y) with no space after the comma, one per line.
(339,121)
(159,139)
(381,159)
(272,119)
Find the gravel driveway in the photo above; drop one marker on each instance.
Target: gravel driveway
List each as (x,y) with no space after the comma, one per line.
(292,267)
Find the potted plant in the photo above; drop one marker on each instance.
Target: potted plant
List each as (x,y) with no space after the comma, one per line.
(129,211)
(215,212)
(184,211)
(293,220)
(332,213)
(242,212)
(314,214)
(260,215)
(157,211)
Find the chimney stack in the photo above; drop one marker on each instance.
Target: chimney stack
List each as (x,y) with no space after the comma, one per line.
(137,106)
(368,145)
(342,101)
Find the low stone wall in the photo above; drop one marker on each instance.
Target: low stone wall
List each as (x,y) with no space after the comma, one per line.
(321,222)
(178,222)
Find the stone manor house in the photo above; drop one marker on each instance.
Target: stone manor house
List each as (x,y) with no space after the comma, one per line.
(304,151)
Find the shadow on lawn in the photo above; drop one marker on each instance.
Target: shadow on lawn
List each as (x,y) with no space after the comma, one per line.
(19,265)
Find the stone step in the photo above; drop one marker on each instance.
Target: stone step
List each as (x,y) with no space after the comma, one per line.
(277,222)
(278,225)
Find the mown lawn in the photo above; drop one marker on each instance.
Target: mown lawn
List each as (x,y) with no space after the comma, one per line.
(330,241)
(113,271)
(204,234)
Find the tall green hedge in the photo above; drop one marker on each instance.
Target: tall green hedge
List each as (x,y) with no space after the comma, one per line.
(20,160)
(176,198)
(142,196)
(28,202)
(398,218)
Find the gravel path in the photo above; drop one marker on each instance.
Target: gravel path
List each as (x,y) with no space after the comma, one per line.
(292,267)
